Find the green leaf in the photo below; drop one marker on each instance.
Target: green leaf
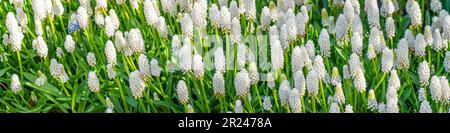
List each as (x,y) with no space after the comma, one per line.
(3,71)
(133,102)
(174,107)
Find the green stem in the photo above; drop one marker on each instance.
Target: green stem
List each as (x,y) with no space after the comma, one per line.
(20,64)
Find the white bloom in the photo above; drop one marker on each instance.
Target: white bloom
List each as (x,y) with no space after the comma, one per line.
(40,81)
(238,107)
(219,60)
(242,83)
(341,28)
(92,61)
(114,18)
(372,101)
(387,8)
(218,84)
(270,81)
(387,60)
(135,41)
(335,77)
(39,9)
(182,92)
(276,56)
(312,82)
(425,107)
(428,34)
(186,55)
(82,17)
(144,66)
(283,93)
(150,13)
(169,6)
(348,109)
(436,88)
(445,88)
(40,46)
(137,84)
(390,27)
(214,15)
(319,66)
(225,20)
(93,83)
(375,40)
(253,73)
(99,18)
(421,95)
(295,101)
(360,81)
(437,39)
(296,59)
(187,27)
(435,6)
(235,35)
(447,61)
(300,83)
(241,55)
(334,108)
(415,13)
(265,18)
(120,42)
(155,69)
(420,46)
(339,96)
(394,81)
(357,43)
(324,43)
(162,27)
(111,71)
(267,104)
(16,86)
(15,35)
(110,52)
(197,66)
(423,71)
(57,71)
(402,57)
(110,27)
(69,44)
(250,9)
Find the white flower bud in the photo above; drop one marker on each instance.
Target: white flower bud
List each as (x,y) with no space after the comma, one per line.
(93,83)
(16,86)
(197,66)
(110,52)
(334,108)
(111,71)
(267,104)
(242,83)
(137,84)
(83,17)
(238,107)
(135,41)
(182,92)
(218,84)
(312,82)
(295,101)
(387,60)
(372,101)
(69,44)
(40,46)
(324,43)
(423,71)
(92,61)
(144,66)
(283,93)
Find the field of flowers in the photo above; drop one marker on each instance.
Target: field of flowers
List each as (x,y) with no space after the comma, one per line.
(225,56)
